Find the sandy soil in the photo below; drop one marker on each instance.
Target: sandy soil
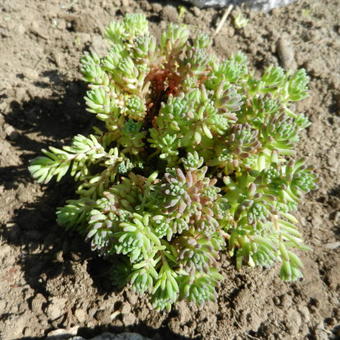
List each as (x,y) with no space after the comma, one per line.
(49,278)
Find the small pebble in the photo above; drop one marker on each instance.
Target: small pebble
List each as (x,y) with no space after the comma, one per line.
(277,301)
(36,30)
(132,298)
(333,245)
(129,319)
(56,308)
(156,7)
(20,94)
(196,11)
(57,333)
(170,13)
(286,53)
(126,308)
(10,132)
(80,315)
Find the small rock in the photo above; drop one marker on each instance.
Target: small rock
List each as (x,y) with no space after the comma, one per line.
(184,312)
(58,59)
(20,94)
(286,53)
(305,314)
(31,74)
(277,301)
(315,67)
(38,31)
(255,322)
(22,194)
(37,303)
(286,301)
(59,256)
(126,308)
(145,5)
(103,316)
(80,315)
(10,132)
(156,7)
(170,13)
(132,298)
(196,11)
(294,322)
(63,333)
(129,319)
(75,257)
(332,159)
(56,308)
(84,23)
(60,24)
(333,275)
(332,245)
(98,45)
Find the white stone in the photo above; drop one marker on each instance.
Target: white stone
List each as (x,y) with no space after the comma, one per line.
(63,332)
(263,5)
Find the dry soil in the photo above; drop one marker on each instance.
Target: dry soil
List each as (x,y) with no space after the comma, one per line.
(49,278)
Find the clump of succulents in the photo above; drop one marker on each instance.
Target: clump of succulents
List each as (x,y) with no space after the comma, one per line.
(193,156)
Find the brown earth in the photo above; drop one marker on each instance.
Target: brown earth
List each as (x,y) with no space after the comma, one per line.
(49,279)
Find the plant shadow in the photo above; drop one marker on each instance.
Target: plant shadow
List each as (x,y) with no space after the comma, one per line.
(46,248)
(40,122)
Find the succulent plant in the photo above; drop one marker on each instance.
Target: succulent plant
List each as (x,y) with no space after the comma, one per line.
(192,157)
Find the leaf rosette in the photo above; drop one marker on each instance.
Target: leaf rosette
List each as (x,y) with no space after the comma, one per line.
(192,156)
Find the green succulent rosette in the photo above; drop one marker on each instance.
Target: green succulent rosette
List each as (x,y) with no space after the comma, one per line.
(192,156)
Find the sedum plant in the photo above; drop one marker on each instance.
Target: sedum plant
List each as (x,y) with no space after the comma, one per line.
(192,156)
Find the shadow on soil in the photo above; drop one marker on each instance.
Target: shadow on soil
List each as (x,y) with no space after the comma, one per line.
(33,226)
(47,250)
(57,117)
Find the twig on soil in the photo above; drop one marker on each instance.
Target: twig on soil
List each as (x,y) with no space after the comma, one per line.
(224,18)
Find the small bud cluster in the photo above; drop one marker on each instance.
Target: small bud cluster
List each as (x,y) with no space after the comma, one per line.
(194,156)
